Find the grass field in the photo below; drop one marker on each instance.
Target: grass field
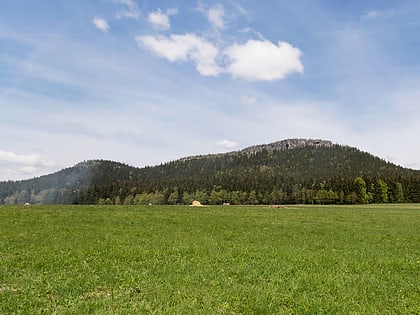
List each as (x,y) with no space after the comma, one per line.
(210,260)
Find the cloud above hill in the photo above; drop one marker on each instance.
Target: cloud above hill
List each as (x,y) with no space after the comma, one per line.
(187,47)
(212,53)
(255,60)
(145,82)
(263,60)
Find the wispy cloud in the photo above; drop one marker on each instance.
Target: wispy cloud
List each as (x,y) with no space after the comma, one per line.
(215,14)
(371,14)
(384,14)
(248,30)
(129,9)
(101,24)
(241,10)
(249,100)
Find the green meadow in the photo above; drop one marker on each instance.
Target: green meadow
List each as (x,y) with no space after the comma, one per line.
(210,260)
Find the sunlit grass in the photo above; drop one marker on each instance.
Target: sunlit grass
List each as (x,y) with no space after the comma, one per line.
(210,260)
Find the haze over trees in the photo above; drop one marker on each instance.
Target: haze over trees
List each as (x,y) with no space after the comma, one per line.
(293,171)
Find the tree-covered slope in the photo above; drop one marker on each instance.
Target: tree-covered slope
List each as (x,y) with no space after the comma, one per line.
(288,171)
(51,188)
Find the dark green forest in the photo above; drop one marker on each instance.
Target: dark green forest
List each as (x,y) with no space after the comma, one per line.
(332,174)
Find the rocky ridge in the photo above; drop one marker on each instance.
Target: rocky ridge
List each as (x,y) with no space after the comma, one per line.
(287,144)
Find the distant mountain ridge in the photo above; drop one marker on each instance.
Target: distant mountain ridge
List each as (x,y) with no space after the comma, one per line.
(286,171)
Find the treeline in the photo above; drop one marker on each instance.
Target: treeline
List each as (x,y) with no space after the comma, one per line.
(333,191)
(308,175)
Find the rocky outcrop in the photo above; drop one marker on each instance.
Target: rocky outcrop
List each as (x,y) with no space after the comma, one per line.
(288,144)
(282,145)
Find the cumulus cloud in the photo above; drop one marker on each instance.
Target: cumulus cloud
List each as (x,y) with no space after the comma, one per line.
(188,47)
(262,60)
(161,20)
(129,9)
(227,144)
(101,24)
(255,60)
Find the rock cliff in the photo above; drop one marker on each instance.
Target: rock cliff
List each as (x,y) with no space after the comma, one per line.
(288,144)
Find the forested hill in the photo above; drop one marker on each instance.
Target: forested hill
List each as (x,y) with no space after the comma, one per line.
(288,171)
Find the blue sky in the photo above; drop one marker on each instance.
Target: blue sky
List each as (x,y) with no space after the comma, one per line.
(146,82)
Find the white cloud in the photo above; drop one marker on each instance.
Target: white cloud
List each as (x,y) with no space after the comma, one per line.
(254,60)
(188,47)
(262,60)
(19,165)
(101,24)
(129,9)
(161,20)
(11,157)
(227,144)
(216,15)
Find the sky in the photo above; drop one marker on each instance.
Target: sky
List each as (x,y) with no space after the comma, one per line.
(147,82)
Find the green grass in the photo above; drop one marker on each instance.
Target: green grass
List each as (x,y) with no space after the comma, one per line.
(210,260)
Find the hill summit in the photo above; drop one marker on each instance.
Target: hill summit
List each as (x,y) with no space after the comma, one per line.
(282,172)
(288,144)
